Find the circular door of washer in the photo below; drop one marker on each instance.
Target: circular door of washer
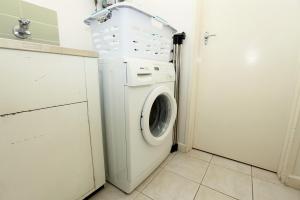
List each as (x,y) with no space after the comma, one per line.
(158,115)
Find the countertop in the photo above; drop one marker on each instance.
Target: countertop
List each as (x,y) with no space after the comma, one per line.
(45,48)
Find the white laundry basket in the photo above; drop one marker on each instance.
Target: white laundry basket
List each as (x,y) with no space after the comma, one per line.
(122,30)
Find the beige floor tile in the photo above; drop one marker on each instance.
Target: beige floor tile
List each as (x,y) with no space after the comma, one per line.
(230,164)
(110,192)
(269,191)
(227,181)
(167,160)
(170,186)
(206,193)
(200,155)
(189,167)
(265,175)
(142,197)
(144,184)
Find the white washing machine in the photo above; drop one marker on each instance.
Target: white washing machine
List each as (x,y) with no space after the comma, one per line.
(139,114)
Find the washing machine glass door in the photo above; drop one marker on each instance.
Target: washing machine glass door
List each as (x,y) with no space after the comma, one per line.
(158,115)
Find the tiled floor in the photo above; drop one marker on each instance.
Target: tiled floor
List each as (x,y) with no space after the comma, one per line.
(201,176)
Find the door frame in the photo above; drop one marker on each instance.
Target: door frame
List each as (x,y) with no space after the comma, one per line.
(290,151)
(193,82)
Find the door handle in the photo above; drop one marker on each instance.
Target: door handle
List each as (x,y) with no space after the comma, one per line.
(207,35)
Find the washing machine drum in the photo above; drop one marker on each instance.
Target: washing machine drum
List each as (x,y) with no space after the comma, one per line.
(158,115)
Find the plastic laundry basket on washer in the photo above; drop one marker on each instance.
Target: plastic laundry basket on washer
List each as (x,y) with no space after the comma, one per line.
(123,30)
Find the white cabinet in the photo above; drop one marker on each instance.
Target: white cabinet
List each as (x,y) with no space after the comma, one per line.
(50,126)
(46,154)
(31,80)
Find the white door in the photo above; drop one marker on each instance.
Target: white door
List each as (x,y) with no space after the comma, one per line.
(247,78)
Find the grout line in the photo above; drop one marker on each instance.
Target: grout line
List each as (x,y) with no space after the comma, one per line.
(9,15)
(147,196)
(138,193)
(205,172)
(228,168)
(220,192)
(44,24)
(20,10)
(203,178)
(261,179)
(157,170)
(32,39)
(167,161)
(197,192)
(270,182)
(154,175)
(32,20)
(252,184)
(219,165)
(186,177)
(198,159)
(182,176)
(234,161)
(210,161)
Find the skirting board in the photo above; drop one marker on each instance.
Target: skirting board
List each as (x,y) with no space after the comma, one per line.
(182,148)
(293,181)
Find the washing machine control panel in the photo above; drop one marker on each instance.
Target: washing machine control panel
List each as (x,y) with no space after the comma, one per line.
(145,72)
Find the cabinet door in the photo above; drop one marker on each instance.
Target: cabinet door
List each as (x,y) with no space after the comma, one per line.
(46,154)
(32,80)
(95,121)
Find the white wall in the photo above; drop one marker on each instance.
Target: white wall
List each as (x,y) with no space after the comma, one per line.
(297,166)
(73,32)
(290,165)
(180,14)
(296,147)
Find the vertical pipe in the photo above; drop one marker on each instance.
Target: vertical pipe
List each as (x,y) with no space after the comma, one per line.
(177,82)
(178,39)
(176,94)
